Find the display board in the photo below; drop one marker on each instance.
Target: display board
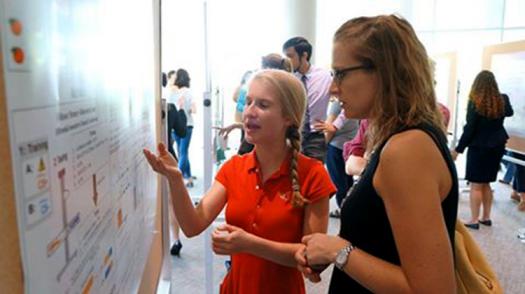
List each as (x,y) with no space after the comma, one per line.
(77,106)
(507,62)
(447,84)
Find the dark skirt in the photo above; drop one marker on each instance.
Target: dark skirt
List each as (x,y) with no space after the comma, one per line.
(483,164)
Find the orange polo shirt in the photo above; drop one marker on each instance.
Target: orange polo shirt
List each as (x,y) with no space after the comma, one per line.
(264,209)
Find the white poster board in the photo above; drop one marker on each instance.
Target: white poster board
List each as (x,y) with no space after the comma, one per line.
(80,90)
(509,69)
(445,77)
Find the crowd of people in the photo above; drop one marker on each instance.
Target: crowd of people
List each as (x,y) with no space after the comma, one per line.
(375,122)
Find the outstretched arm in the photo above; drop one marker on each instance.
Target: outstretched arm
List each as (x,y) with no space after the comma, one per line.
(227,130)
(192,220)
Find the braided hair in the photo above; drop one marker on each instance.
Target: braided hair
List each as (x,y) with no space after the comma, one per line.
(292,96)
(294,139)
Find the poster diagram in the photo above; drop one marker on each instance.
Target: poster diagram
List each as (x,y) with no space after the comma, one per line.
(34,165)
(85,196)
(62,237)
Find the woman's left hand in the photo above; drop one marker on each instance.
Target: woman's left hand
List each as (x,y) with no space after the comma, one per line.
(322,249)
(228,239)
(302,266)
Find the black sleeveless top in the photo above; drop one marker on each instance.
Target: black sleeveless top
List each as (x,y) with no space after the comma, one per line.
(364,221)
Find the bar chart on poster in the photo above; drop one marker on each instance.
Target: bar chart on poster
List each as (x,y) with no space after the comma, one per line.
(80,106)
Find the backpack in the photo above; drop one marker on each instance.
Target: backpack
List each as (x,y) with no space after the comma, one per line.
(177,120)
(473,272)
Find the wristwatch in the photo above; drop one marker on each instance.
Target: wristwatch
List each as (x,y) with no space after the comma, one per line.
(342,256)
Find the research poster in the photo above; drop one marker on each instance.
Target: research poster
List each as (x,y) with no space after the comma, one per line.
(509,69)
(442,80)
(81,107)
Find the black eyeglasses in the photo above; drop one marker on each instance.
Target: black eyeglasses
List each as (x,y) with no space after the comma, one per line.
(339,74)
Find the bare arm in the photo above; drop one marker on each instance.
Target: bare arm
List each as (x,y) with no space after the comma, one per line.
(326,127)
(236,94)
(315,220)
(414,212)
(193,107)
(227,130)
(192,220)
(354,165)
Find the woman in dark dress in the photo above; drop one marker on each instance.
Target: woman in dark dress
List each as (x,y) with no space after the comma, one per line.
(485,137)
(397,223)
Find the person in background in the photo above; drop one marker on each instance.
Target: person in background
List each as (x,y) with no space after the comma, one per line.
(445,114)
(276,61)
(171,87)
(398,223)
(317,83)
(239,96)
(485,137)
(270,61)
(335,162)
(518,183)
(273,195)
(518,186)
(510,169)
(171,127)
(240,99)
(183,98)
(354,151)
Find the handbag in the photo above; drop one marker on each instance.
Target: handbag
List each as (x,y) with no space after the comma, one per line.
(473,272)
(177,120)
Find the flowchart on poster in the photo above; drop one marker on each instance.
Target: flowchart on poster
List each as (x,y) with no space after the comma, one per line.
(85,195)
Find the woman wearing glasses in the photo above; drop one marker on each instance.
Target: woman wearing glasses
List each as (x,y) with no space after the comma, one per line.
(397,224)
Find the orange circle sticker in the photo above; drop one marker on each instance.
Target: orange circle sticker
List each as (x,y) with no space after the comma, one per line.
(18,54)
(16,26)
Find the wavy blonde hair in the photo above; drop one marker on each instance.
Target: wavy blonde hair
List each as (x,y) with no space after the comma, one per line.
(292,96)
(486,97)
(405,95)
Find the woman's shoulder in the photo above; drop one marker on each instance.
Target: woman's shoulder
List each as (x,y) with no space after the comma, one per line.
(240,162)
(410,139)
(413,146)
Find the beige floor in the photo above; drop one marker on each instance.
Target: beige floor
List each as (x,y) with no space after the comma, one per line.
(503,249)
(505,252)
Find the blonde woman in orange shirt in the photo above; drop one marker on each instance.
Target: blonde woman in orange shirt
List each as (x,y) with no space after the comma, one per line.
(273,195)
